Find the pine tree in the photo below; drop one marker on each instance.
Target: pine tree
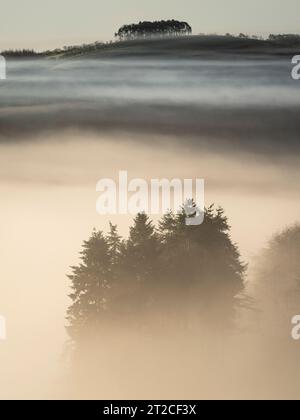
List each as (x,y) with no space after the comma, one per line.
(276,284)
(141,263)
(201,264)
(142,247)
(218,265)
(116,251)
(189,272)
(91,281)
(115,244)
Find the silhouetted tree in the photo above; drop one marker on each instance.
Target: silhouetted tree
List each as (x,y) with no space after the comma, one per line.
(202,262)
(115,244)
(140,268)
(181,272)
(91,281)
(157,28)
(277,281)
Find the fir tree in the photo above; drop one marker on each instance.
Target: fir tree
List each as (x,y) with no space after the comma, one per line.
(90,286)
(180,270)
(201,264)
(141,263)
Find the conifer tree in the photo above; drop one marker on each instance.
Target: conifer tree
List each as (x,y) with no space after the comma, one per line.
(201,264)
(179,270)
(115,244)
(141,262)
(276,285)
(91,281)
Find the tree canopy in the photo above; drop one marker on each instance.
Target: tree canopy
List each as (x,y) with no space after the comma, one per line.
(170,272)
(157,28)
(277,280)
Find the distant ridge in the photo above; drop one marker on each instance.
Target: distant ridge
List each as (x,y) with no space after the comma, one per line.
(193,46)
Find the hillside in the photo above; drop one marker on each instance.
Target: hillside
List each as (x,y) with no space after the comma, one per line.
(194,46)
(187,47)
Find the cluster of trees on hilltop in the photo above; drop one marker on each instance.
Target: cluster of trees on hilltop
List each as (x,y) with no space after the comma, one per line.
(188,274)
(157,28)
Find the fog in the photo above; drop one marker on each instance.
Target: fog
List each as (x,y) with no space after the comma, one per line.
(66,124)
(242,103)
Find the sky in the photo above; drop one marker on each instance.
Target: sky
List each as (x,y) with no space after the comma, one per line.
(42,24)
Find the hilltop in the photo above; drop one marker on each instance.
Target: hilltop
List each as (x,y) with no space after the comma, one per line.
(194,46)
